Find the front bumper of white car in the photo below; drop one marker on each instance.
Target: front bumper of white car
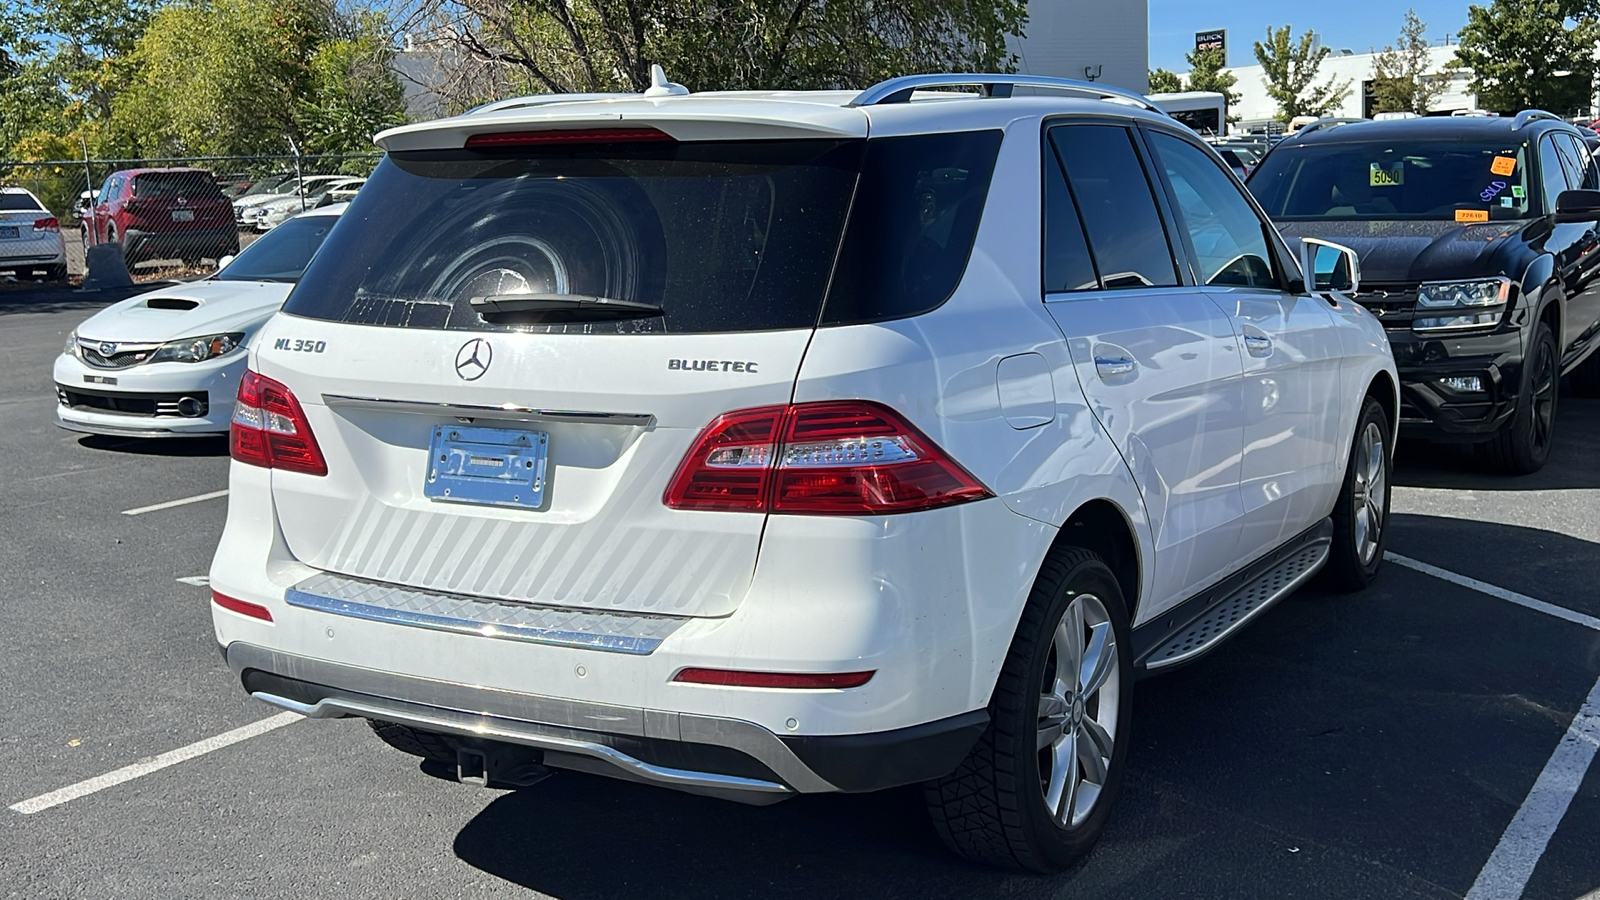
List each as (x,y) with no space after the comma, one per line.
(168,399)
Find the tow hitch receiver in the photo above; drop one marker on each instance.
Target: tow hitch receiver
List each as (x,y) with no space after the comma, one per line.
(501,766)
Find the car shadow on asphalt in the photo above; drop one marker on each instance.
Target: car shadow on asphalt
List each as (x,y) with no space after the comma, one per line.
(53,298)
(211,445)
(1577,444)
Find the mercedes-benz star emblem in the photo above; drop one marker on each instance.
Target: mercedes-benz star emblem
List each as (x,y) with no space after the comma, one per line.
(473,359)
(108,349)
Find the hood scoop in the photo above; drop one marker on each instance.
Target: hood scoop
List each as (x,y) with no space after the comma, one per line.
(173,303)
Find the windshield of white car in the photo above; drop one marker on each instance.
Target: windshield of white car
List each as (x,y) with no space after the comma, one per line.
(281,254)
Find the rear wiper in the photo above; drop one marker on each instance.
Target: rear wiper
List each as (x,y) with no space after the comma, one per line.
(580,306)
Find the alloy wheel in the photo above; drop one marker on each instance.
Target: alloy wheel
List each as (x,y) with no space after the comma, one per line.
(1079,695)
(1544,396)
(1369,491)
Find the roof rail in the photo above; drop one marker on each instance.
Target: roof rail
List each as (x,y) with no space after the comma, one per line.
(1533,115)
(899,90)
(539,100)
(1323,123)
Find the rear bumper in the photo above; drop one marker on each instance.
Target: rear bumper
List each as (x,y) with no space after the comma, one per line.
(213,242)
(701,754)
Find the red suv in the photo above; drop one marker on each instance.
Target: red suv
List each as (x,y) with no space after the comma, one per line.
(174,213)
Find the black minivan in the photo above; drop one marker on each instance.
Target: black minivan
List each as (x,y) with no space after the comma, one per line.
(1480,250)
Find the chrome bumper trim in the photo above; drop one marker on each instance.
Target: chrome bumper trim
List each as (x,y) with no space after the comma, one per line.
(508,620)
(536,721)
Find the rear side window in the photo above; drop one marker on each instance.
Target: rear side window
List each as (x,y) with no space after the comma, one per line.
(912,224)
(1119,211)
(175,184)
(1230,244)
(1067,263)
(18,202)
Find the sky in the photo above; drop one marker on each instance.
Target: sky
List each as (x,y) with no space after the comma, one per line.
(1359,25)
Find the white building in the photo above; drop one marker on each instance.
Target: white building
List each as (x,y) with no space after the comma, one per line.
(1255,108)
(1090,40)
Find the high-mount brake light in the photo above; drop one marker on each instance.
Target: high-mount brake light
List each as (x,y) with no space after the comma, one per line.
(271,430)
(242,607)
(788,680)
(566,136)
(844,458)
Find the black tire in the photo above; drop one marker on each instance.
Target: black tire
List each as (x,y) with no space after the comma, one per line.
(1522,446)
(1586,377)
(1361,515)
(415,742)
(992,808)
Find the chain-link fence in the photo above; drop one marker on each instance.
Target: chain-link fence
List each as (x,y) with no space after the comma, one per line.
(169,216)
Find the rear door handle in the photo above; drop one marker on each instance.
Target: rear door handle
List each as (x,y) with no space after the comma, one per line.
(1113,366)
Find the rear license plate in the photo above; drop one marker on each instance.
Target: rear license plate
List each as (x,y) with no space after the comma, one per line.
(487,466)
(183,215)
(9,231)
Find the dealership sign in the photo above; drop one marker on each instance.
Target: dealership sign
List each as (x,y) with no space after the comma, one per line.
(1212,40)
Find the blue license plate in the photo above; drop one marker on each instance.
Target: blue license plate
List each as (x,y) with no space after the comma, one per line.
(487,466)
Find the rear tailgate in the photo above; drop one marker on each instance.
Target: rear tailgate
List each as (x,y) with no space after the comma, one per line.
(479,441)
(618,419)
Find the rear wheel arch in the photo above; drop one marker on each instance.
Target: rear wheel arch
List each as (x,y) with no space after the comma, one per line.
(1103,527)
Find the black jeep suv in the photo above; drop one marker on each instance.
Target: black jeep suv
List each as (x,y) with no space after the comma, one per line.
(1483,273)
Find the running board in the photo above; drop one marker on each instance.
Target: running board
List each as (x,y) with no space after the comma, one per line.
(1237,609)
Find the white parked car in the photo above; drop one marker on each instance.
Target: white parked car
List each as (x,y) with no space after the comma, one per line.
(168,363)
(30,236)
(756,444)
(272,212)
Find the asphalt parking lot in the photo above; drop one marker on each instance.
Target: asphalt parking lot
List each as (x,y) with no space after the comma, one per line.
(1416,740)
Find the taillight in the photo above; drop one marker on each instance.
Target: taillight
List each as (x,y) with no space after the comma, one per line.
(47,224)
(847,458)
(271,430)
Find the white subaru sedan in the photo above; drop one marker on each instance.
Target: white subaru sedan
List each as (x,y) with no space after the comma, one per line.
(167,363)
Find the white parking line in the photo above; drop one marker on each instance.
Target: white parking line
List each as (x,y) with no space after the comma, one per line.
(171,503)
(153,764)
(1506,873)
(1483,587)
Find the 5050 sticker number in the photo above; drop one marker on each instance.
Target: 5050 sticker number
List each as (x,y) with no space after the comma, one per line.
(296,345)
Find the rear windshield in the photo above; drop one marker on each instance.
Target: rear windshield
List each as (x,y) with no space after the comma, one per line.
(14,202)
(720,236)
(175,184)
(281,254)
(1441,180)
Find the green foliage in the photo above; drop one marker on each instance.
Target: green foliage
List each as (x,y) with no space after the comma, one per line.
(1291,72)
(1532,53)
(1401,81)
(1205,74)
(355,94)
(1164,82)
(604,45)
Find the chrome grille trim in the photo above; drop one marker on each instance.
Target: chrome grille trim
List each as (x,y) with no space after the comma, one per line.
(630,633)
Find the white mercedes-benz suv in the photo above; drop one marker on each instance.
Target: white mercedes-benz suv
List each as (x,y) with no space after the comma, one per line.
(756,444)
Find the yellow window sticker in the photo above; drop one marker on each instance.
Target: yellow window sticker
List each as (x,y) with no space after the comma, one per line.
(1390,176)
(1503,165)
(1472,215)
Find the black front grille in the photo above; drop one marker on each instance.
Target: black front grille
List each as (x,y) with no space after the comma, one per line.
(131,404)
(120,360)
(1394,305)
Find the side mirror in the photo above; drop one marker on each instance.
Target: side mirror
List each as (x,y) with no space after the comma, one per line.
(1329,266)
(1578,206)
(223,262)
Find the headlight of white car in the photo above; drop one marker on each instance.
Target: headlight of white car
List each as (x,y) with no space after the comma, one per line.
(71,349)
(198,349)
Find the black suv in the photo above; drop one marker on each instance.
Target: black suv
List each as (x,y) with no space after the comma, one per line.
(1488,293)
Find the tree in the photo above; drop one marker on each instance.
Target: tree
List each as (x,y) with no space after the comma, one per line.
(609,45)
(1164,82)
(1401,76)
(1531,53)
(1205,74)
(1291,70)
